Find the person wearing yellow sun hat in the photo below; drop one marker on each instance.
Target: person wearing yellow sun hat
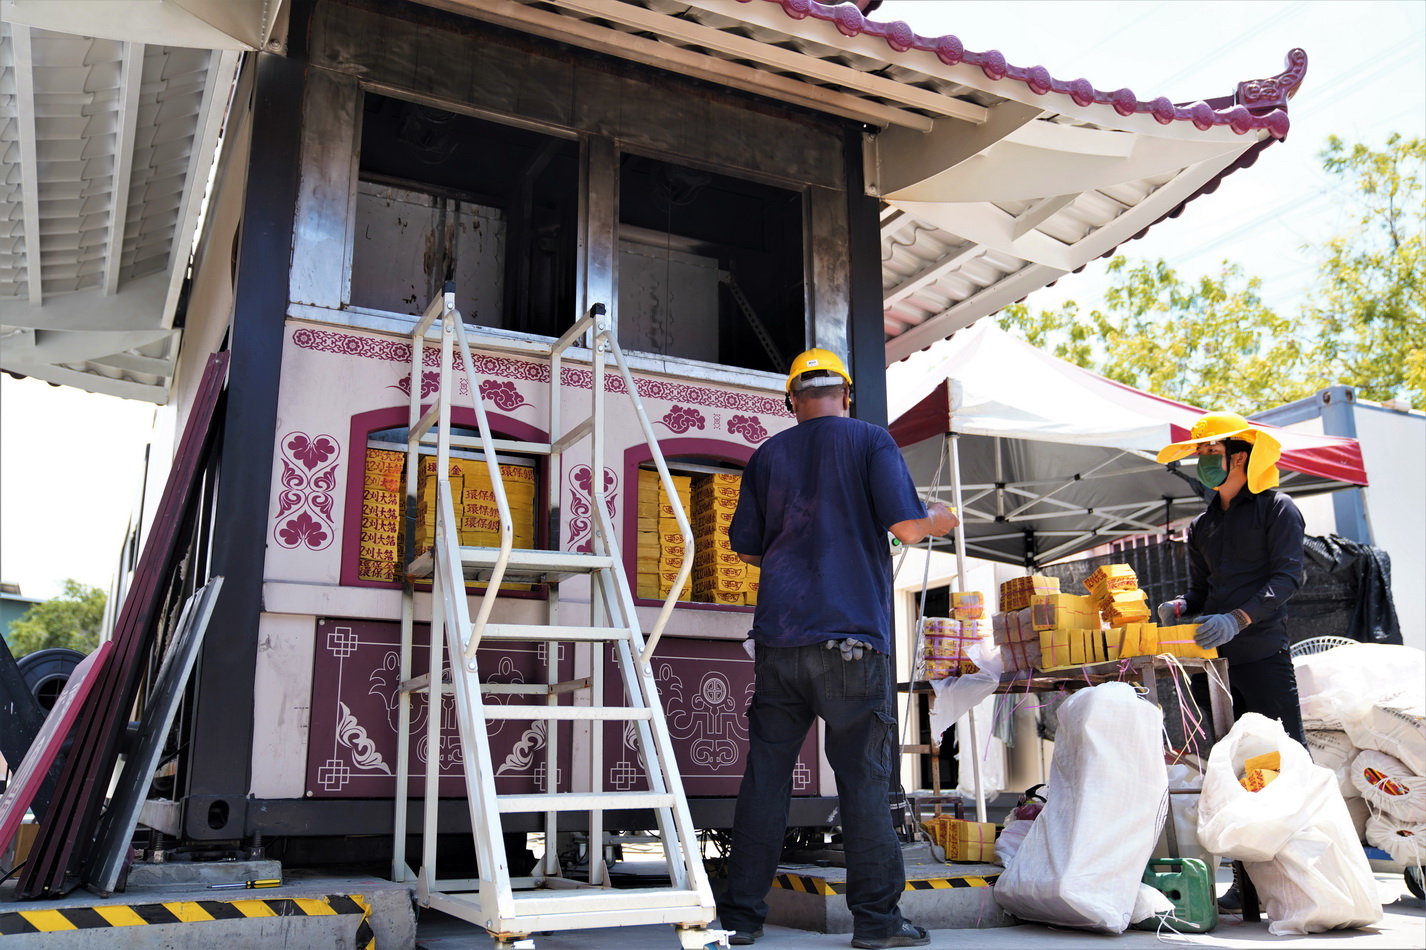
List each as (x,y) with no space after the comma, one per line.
(1245,563)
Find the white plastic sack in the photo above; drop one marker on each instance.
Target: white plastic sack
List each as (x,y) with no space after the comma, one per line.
(1390,786)
(1332,749)
(958,695)
(1359,811)
(1338,686)
(1082,861)
(1150,902)
(1294,836)
(991,749)
(1007,843)
(1397,727)
(1404,841)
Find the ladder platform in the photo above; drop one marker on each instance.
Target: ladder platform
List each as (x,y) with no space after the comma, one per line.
(536,633)
(475,443)
(566,713)
(582,801)
(580,908)
(525,566)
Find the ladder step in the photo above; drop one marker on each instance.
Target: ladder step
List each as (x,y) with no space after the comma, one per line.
(546,909)
(512,711)
(524,567)
(545,902)
(586,801)
(501,445)
(534,633)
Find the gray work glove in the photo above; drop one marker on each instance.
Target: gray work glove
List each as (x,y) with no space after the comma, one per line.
(851,649)
(1216,630)
(1171,612)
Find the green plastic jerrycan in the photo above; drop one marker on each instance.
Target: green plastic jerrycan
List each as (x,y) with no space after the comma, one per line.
(1189,884)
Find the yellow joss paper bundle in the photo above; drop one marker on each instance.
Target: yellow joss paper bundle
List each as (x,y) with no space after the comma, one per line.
(962,840)
(1268,760)
(1178,641)
(1112,577)
(1127,606)
(1255,780)
(967,605)
(1015,593)
(1065,611)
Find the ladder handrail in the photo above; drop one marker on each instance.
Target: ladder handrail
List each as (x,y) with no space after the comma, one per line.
(455,610)
(497,484)
(685,566)
(673,822)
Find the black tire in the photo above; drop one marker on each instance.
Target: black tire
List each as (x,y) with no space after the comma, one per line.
(46,671)
(1413,882)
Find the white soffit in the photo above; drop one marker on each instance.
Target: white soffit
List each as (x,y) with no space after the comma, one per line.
(107,145)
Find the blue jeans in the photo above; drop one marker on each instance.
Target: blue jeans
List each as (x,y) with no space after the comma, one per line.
(795,686)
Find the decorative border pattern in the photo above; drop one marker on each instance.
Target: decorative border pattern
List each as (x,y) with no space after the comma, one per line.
(1257,94)
(350,344)
(308,491)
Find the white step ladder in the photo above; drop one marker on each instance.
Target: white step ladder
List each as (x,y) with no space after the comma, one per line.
(512,908)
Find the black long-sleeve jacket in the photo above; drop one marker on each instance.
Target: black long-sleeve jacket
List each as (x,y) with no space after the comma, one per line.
(1247,558)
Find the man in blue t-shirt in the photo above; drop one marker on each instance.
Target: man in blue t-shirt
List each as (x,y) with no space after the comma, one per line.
(817,501)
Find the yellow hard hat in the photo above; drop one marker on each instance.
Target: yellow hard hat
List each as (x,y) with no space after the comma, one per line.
(1217,426)
(817,358)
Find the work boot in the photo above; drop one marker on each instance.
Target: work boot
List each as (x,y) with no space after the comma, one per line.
(908,936)
(1231,902)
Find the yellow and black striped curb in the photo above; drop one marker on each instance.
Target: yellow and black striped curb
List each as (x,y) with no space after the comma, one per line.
(190,912)
(826,888)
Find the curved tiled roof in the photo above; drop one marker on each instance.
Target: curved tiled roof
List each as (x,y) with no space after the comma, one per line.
(1268,94)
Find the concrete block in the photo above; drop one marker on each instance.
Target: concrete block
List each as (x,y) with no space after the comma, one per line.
(938,897)
(308,912)
(200,873)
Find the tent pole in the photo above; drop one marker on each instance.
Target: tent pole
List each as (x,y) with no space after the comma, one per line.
(961,585)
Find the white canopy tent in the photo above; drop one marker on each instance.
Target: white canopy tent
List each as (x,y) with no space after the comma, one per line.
(1052,459)
(1044,459)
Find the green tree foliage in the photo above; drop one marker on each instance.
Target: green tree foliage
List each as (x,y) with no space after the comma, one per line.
(1213,342)
(71,620)
(1368,311)
(1210,342)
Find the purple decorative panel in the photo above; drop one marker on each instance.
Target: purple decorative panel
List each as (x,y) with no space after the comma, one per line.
(705,686)
(351,751)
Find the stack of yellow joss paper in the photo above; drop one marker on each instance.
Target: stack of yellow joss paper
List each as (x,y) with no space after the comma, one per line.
(946,642)
(660,543)
(1015,593)
(962,840)
(1150,639)
(1115,591)
(719,575)
(1069,630)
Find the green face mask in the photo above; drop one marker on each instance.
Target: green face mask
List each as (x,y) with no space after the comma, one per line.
(1211,471)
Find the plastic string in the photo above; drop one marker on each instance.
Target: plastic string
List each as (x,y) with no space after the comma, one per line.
(1190,716)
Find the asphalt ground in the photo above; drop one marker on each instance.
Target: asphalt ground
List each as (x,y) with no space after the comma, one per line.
(1403,927)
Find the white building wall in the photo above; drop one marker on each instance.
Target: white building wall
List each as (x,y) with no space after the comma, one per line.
(1394,450)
